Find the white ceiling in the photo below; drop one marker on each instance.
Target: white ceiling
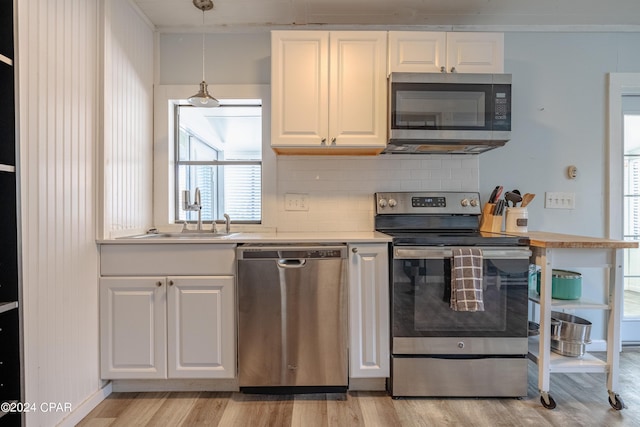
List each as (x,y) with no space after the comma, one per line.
(261,15)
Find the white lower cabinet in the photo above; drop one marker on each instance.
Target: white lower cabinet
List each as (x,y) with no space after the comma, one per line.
(133,331)
(369,350)
(201,327)
(167,311)
(167,327)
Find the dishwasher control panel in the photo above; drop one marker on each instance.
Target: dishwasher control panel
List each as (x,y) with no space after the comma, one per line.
(291,252)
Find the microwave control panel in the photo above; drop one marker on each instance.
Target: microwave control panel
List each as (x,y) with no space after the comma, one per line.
(501,107)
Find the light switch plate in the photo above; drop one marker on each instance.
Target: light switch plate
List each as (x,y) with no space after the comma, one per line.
(559,200)
(296,202)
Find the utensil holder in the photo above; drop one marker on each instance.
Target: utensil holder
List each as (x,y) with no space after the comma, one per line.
(489,222)
(516,220)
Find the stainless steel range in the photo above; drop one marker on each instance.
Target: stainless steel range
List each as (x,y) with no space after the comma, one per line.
(437,351)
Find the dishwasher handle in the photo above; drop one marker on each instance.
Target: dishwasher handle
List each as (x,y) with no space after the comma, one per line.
(291,263)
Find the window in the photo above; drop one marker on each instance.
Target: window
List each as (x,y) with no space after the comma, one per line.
(219,152)
(631,133)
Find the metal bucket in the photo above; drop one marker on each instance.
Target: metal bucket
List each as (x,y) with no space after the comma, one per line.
(567,348)
(569,334)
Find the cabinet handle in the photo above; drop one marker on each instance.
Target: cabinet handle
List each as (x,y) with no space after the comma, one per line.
(333,141)
(354,250)
(453,69)
(323,141)
(443,70)
(170,282)
(159,283)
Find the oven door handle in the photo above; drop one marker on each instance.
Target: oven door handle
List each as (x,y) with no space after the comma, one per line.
(442,253)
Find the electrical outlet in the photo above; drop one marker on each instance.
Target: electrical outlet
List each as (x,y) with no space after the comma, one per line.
(296,202)
(559,200)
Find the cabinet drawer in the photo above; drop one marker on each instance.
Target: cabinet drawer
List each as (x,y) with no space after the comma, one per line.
(162,260)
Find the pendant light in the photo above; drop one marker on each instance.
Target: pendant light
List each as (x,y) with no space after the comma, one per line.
(203,98)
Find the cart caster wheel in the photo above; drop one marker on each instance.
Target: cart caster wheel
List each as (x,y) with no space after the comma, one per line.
(618,405)
(550,405)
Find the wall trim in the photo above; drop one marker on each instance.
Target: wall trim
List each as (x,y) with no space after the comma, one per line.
(619,84)
(176,385)
(257,29)
(87,406)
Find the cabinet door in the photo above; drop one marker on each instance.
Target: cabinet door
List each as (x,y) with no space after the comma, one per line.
(299,88)
(369,311)
(201,322)
(475,52)
(417,51)
(133,327)
(358,89)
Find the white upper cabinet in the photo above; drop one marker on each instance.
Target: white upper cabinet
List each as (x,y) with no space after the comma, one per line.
(455,52)
(417,51)
(329,92)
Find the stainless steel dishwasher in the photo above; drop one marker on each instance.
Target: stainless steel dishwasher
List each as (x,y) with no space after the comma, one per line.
(292,318)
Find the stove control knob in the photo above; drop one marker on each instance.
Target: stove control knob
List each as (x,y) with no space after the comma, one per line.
(474,202)
(464,202)
(392,203)
(461,344)
(382,203)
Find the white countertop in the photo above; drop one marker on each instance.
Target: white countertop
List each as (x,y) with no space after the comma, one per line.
(259,238)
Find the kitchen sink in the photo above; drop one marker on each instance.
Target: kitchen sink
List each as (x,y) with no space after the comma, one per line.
(182,236)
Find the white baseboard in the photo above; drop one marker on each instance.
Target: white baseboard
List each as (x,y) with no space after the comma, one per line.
(355,384)
(596,345)
(85,407)
(175,385)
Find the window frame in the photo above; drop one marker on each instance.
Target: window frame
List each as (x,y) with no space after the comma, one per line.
(165,99)
(178,162)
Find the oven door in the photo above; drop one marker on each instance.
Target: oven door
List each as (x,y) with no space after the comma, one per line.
(424,323)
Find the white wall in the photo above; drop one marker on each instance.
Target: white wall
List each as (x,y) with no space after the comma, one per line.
(59,104)
(127,156)
(59,62)
(559,119)
(341,189)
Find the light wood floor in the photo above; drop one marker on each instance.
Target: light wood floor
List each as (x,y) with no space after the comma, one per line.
(581,400)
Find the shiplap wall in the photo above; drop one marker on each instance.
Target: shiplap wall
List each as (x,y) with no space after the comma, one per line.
(128,121)
(59,63)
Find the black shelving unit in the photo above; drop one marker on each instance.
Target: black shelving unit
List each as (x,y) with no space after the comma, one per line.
(10,361)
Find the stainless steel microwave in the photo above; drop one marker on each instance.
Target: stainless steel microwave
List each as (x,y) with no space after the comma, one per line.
(448,113)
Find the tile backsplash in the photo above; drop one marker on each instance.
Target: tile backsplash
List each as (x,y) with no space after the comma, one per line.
(340,189)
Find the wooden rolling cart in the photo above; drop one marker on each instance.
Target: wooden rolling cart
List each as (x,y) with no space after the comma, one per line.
(549,251)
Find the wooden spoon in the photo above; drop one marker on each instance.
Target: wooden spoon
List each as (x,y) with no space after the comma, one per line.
(527,198)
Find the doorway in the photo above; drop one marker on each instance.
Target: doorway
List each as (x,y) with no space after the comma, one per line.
(624,190)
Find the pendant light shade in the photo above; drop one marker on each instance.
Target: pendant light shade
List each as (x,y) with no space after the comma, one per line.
(203,98)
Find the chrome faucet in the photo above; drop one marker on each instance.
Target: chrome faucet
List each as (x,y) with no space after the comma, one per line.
(196,206)
(227,219)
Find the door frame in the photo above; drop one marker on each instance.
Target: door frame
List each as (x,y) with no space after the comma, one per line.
(619,85)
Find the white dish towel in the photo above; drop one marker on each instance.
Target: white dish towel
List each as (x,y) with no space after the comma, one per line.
(466,280)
